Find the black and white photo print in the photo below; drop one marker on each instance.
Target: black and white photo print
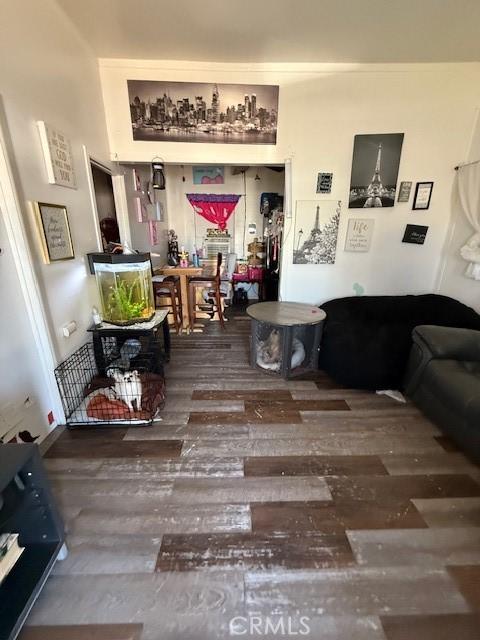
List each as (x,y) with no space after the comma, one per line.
(316,231)
(203,112)
(376,159)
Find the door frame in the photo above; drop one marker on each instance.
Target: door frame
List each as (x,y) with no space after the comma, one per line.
(119,196)
(29,284)
(121,206)
(87,159)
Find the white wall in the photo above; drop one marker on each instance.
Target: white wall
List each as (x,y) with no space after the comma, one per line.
(48,74)
(52,76)
(321,108)
(192,228)
(452,281)
(24,396)
(140,230)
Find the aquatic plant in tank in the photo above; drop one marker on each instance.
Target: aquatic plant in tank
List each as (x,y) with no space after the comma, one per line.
(125,287)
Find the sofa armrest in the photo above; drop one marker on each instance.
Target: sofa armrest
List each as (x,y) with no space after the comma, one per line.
(448,343)
(431,342)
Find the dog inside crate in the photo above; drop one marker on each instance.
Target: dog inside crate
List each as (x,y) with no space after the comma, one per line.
(269,351)
(123,390)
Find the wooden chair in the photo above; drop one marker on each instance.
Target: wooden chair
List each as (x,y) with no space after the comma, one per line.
(214,293)
(169,288)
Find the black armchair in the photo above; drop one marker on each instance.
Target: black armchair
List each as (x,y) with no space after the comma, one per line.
(443,379)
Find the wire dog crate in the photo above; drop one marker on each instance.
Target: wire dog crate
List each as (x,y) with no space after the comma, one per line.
(126,393)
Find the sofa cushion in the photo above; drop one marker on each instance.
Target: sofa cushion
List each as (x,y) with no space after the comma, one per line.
(457,385)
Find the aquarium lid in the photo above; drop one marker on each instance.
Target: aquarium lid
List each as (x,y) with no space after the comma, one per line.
(128,267)
(115,258)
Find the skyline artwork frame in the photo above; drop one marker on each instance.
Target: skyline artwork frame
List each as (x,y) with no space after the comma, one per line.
(203,112)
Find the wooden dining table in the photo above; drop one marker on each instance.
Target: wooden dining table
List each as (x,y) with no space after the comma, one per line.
(184,273)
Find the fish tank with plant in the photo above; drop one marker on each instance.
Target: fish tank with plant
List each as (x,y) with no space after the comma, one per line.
(125,286)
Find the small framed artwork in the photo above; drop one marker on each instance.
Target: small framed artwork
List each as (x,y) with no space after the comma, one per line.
(404,192)
(415,234)
(208,175)
(324,182)
(54,231)
(359,234)
(423,194)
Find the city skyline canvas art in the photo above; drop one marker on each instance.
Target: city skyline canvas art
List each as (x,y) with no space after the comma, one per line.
(203,112)
(375,164)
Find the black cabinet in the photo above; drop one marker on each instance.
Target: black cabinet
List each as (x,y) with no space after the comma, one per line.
(154,337)
(27,507)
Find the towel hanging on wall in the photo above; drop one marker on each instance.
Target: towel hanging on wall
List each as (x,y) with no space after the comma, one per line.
(216,208)
(468,187)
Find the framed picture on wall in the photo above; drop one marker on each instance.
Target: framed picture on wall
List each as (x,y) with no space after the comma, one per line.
(168,111)
(359,234)
(415,234)
(57,152)
(404,191)
(423,195)
(208,175)
(324,182)
(316,231)
(54,232)
(375,164)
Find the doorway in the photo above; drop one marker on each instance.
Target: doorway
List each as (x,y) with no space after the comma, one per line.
(253,232)
(105,204)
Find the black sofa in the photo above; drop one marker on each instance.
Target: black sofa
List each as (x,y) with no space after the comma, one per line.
(367,339)
(443,379)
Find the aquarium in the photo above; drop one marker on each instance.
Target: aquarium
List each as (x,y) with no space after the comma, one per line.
(125,287)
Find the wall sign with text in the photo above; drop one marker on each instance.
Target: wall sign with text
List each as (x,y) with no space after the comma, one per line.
(404,191)
(57,152)
(324,182)
(415,234)
(54,232)
(359,234)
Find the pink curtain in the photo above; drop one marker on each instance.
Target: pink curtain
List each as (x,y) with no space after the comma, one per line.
(216,208)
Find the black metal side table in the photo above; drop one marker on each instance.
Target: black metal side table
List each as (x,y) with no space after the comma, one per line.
(27,508)
(154,337)
(285,337)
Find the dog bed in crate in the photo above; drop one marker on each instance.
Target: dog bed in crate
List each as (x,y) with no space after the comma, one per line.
(93,399)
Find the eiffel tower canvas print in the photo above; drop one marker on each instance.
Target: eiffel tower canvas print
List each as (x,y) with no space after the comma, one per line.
(376,159)
(316,231)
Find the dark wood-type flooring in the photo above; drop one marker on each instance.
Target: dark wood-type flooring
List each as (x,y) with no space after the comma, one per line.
(255,504)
